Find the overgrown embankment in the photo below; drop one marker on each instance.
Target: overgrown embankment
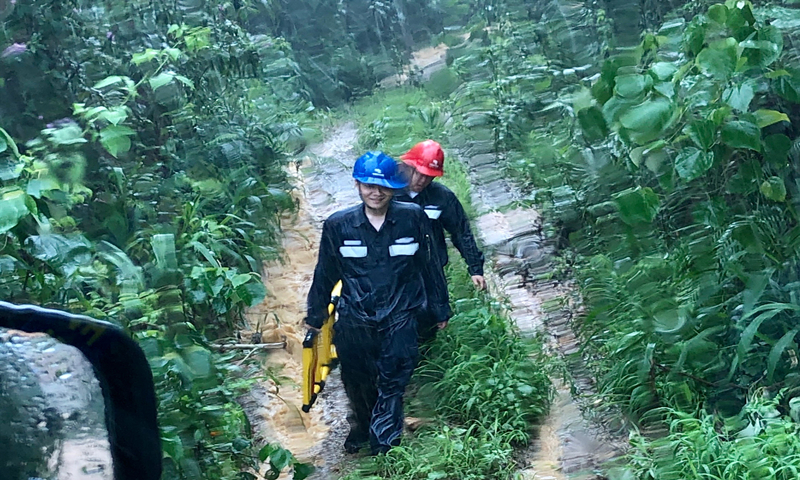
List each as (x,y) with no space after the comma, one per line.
(667,176)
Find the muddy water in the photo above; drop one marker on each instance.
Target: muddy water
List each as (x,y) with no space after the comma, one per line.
(569,446)
(323,186)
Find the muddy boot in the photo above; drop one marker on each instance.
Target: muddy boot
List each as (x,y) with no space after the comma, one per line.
(356,440)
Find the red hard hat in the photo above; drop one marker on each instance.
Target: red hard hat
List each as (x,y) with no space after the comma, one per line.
(427,157)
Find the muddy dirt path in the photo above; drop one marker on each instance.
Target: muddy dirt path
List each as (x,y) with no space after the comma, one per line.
(323,185)
(569,445)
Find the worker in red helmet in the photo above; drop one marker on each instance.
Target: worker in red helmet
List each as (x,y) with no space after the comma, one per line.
(426,162)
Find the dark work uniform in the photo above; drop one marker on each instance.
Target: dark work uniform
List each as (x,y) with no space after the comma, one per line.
(389,277)
(446,213)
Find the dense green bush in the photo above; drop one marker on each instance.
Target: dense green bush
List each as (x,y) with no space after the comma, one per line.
(142,177)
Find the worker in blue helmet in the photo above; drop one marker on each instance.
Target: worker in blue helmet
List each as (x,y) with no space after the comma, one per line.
(383,253)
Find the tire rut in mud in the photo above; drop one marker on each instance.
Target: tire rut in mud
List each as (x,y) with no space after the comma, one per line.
(569,444)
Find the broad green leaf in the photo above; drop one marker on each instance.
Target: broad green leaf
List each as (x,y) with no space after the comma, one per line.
(266,451)
(116,145)
(755,284)
(766,118)
(739,96)
(695,36)
(114,116)
(593,124)
(788,87)
(766,49)
(692,163)
(742,134)
(206,253)
(174,53)
(694,341)
(665,88)
(146,56)
(776,149)
(302,471)
(718,63)
(632,86)
(777,351)
(116,139)
(9,142)
(774,189)
(127,271)
(663,70)
(718,13)
(11,171)
(615,107)
(67,135)
(199,361)
(280,459)
(108,81)
(171,444)
(637,206)
(13,207)
(3,145)
(255,292)
(647,120)
(702,132)
(761,314)
(184,81)
(160,80)
(241,279)
(38,186)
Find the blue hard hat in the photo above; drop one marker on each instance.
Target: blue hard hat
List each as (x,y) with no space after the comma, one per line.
(377,168)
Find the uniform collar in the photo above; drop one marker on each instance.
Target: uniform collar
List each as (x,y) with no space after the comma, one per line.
(361,215)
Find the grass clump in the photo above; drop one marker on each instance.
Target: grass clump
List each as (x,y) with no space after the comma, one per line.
(760,443)
(481,388)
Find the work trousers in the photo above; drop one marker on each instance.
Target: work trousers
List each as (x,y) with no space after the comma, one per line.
(377,360)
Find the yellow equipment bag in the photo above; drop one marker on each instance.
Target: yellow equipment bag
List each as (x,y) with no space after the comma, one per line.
(319,353)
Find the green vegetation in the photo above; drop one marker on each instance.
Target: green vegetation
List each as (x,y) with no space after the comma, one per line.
(667,171)
(480,387)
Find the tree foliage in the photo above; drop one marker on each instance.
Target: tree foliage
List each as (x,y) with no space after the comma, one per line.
(141,178)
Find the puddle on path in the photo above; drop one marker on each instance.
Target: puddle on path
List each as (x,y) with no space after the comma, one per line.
(323,186)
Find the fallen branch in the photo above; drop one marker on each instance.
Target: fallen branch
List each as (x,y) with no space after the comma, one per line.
(248,346)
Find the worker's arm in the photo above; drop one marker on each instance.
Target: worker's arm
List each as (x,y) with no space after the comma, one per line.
(454,220)
(326,274)
(432,274)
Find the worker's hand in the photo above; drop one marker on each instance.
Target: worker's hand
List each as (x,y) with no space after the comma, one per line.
(312,329)
(479,282)
(441,325)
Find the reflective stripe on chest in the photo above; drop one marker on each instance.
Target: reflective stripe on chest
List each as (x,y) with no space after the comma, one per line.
(348,251)
(399,249)
(432,211)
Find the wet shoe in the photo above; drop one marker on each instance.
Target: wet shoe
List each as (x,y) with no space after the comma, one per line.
(355,441)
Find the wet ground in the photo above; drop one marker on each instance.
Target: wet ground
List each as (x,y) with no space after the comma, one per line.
(323,185)
(52,409)
(569,445)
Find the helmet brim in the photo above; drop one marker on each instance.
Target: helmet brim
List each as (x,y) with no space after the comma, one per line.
(429,171)
(397,184)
